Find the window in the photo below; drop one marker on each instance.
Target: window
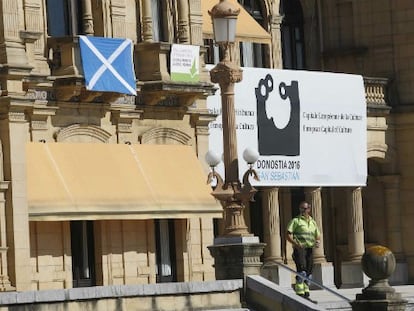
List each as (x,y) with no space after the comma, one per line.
(213,53)
(64,17)
(165,251)
(83,254)
(292,35)
(252,54)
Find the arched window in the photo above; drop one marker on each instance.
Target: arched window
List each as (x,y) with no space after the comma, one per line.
(64,17)
(253,54)
(293,52)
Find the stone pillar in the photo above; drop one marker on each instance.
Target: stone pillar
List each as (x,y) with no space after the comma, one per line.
(355,226)
(13,55)
(275,23)
(392,205)
(4,274)
(146,21)
(271,224)
(118,17)
(313,197)
(352,274)
(4,186)
(272,239)
(236,257)
(34,37)
(285,217)
(87,18)
(323,272)
(196,22)
(14,131)
(183,22)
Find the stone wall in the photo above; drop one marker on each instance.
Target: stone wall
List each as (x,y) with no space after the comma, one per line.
(171,296)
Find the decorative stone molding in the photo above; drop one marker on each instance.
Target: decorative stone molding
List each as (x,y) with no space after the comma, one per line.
(91,131)
(15,116)
(123,115)
(377,150)
(164,135)
(200,119)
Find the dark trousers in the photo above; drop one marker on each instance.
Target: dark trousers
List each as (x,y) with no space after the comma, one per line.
(303,258)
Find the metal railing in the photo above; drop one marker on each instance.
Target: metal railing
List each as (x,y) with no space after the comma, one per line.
(335,293)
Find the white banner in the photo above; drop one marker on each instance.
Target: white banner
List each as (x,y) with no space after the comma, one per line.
(308,127)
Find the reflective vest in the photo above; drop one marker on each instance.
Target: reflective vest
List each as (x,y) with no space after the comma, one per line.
(304,231)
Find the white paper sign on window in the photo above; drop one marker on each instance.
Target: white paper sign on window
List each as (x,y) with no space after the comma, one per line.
(185,63)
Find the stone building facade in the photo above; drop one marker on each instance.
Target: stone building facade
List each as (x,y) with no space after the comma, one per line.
(43,101)
(45,106)
(373,39)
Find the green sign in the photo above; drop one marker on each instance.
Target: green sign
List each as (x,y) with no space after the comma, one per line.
(185,63)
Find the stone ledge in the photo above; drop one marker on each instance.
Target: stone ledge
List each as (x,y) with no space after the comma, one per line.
(119,291)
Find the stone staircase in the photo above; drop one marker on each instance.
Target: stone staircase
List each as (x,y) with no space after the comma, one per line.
(262,294)
(331,302)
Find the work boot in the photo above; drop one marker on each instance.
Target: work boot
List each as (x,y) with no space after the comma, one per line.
(300,289)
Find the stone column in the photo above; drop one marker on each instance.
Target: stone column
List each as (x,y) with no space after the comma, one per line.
(313,196)
(87,19)
(13,55)
(351,270)
(356,246)
(323,272)
(271,224)
(34,38)
(15,131)
(4,274)
(118,17)
(275,23)
(272,238)
(146,21)
(196,22)
(285,216)
(392,205)
(183,22)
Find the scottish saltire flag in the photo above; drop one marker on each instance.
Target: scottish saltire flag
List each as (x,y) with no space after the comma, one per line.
(107,64)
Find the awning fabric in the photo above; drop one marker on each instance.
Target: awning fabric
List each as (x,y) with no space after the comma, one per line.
(110,181)
(247,28)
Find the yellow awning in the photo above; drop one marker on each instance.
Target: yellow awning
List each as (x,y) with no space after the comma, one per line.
(247,28)
(110,181)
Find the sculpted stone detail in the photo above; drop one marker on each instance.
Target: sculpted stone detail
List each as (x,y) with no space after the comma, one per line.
(15,116)
(80,133)
(163,135)
(38,125)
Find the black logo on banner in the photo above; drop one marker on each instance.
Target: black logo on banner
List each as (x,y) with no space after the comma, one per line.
(284,139)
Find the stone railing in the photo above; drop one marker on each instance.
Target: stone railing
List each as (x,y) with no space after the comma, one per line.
(376,91)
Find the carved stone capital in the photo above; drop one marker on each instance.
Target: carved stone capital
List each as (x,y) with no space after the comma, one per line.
(226,73)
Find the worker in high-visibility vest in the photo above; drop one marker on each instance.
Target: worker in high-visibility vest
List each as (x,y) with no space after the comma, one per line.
(304,234)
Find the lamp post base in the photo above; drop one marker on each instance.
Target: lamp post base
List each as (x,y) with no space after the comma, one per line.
(236,257)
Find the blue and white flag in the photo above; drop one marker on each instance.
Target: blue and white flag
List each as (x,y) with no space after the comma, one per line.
(107,64)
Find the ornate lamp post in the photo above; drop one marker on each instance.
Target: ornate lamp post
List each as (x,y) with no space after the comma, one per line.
(226,73)
(237,252)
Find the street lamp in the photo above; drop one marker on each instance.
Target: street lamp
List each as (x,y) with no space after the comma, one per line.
(232,194)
